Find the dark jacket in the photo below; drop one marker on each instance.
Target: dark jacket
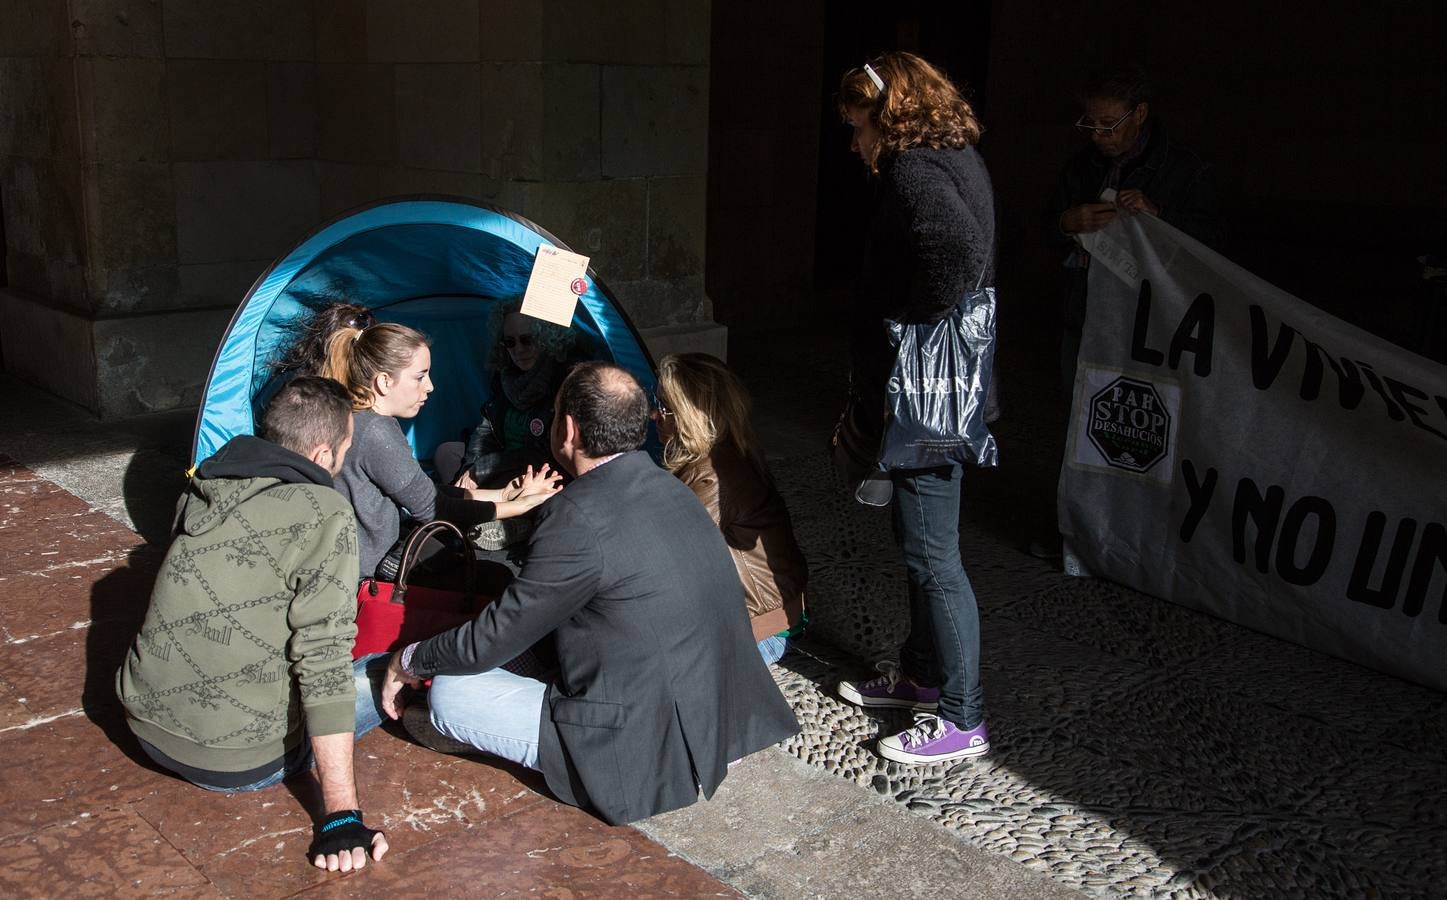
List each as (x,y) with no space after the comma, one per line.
(1177,181)
(930,239)
(755,525)
(660,684)
(487,455)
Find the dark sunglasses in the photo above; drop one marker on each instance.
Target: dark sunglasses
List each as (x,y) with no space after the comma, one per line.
(522,340)
(660,408)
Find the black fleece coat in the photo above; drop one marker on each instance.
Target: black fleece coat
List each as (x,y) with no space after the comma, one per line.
(930,239)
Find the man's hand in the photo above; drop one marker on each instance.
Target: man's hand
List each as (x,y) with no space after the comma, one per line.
(1135,201)
(340,842)
(1087,217)
(393,680)
(465,480)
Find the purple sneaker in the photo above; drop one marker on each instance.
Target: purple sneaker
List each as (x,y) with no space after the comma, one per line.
(935,740)
(892,690)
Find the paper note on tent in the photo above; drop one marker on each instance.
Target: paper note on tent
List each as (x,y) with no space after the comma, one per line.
(558,280)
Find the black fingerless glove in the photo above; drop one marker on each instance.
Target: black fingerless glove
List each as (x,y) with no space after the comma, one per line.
(339,833)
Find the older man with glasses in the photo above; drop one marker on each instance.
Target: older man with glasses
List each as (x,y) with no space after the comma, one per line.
(1132,154)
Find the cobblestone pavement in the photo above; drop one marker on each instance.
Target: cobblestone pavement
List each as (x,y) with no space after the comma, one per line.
(1138,747)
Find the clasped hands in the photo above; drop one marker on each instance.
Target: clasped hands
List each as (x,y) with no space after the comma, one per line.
(1089,217)
(521,494)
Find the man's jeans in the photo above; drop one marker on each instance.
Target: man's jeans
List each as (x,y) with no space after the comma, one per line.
(943,647)
(495,711)
(367,673)
(773,648)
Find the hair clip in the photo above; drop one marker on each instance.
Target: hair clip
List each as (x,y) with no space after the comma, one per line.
(874,77)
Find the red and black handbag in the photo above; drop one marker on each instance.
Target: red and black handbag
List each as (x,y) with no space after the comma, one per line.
(391,616)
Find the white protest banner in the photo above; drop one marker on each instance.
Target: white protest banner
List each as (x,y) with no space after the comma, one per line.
(1235,450)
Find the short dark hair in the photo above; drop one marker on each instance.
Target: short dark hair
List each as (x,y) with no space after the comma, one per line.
(609,407)
(308,411)
(1127,83)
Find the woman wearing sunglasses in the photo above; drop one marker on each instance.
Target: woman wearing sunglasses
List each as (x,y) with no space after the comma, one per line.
(528,362)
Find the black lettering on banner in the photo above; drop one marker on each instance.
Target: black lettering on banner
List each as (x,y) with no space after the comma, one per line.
(1309,527)
(1431,556)
(1399,391)
(1265,511)
(1393,411)
(1196,335)
(1138,349)
(1200,492)
(1349,381)
(1291,528)
(1401,401)
(1359,587)
(1266,365)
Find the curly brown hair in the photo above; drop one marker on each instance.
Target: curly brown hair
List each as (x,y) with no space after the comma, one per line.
(919,106)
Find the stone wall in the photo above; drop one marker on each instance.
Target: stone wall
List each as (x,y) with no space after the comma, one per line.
(156,155)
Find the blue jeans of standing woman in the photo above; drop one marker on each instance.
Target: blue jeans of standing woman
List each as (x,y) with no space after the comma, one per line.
(943,647)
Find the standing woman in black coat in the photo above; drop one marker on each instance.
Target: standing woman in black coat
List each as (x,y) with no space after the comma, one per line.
(930,239)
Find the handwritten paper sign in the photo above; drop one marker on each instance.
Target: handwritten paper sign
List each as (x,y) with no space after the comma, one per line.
(558,280)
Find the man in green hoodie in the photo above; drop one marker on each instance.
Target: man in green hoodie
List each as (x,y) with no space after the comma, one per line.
(242,674)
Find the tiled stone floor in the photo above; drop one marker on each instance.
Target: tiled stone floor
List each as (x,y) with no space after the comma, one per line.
(83,814)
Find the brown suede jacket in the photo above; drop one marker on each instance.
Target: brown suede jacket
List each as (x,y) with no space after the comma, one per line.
(755,525)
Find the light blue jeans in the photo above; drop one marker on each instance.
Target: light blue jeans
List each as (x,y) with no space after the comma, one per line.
(495,711)
(773,648)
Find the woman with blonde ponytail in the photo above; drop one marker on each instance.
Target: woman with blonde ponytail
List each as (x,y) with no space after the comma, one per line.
(386,368)
(702,414)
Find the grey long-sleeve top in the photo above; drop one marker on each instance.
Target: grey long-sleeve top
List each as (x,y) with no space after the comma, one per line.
(382,479)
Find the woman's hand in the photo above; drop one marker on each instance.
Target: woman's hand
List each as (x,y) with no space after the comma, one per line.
(506,509)
(543,481)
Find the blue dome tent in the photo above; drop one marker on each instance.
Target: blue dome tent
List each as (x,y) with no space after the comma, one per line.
(437,265)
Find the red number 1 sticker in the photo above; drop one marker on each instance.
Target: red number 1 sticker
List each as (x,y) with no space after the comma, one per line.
(579,286)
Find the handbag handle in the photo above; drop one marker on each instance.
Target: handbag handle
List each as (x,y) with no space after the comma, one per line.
(413,548)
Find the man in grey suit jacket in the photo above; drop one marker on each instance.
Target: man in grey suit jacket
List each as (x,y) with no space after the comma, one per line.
(659,684)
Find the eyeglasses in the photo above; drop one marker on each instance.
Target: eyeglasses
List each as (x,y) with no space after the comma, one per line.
(1104,130)
(522,340)
(661,409)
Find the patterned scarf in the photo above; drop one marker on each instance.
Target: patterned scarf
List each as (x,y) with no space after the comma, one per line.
(525,390)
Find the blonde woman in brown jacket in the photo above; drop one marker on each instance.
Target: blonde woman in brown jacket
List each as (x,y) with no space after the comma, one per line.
(702,415)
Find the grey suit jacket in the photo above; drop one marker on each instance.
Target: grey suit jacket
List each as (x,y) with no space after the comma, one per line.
(660,683)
